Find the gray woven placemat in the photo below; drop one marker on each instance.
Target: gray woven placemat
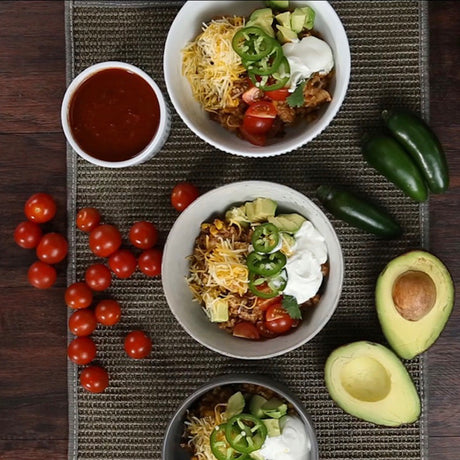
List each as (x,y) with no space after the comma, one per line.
(389,68)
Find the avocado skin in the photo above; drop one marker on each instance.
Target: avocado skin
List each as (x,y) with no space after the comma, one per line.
(411,338)
(401,405)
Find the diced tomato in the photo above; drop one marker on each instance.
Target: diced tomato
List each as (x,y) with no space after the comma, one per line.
(278,94)
(256,139)
(262,109)
(246,330)
(257,125)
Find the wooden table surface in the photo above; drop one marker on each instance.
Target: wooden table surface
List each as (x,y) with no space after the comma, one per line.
(33,385)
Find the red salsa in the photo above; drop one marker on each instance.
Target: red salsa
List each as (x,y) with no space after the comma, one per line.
(114,114)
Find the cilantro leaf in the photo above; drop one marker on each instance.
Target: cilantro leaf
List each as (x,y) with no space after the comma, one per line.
(296,99)
(290,304)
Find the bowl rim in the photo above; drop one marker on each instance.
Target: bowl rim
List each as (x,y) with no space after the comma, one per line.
(253,184)
(273,149)
(238,378)
(155,143)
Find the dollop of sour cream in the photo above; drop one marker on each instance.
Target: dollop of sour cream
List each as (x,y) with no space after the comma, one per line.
(292,444)
(306,57)
(304,266)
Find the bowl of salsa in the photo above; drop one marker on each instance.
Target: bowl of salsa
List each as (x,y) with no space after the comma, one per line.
(114,115)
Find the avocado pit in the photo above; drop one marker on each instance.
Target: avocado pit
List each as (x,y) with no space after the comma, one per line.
(414,294)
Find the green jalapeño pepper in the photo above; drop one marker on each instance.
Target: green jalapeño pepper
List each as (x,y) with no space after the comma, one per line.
(252,43)
(266,264)
(221,448)
(267,287)
(265,238)
(276,80)
(269,64)
(245,433)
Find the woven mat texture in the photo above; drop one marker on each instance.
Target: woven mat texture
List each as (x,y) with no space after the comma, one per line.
(128,420)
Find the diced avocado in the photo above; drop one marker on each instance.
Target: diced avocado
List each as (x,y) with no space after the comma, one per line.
(260,209)
(283,421)
(278,4)
(290,223)
(287,244)
(285,34)
(237,215)
(235,404)
(255,405)
(298,20)
(284,19)
(273,426)
(218,311)
(256,455)
(274,408)
(309,17)
(263,18)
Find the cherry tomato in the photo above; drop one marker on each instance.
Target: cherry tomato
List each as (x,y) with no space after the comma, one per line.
(257,125)
(87,219)
(82,322)
(183,195)
(41,275)
(94,379)
(246,330)
(52,248)
(138,345)
(262,109)
(81,350)
(98,277)
(78,295)
(256,139)
(40,208)
(123,263)
(263,331)
(104,240)
(277,319)
(143,235)
(278,94)
(108,312)
(150,262)
(27,234)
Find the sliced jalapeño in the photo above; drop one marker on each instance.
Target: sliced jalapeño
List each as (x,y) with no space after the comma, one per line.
(266,264)
(221,448)
(245,433)
(267,287)
(265,238)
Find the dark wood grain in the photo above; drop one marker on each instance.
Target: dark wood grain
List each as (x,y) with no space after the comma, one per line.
(33,385)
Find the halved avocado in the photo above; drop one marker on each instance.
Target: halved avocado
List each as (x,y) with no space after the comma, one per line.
(414,296)
(368,381)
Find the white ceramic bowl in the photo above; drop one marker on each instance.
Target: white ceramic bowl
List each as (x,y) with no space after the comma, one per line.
(180,244)
(187,25)
(151,149)
(173,436)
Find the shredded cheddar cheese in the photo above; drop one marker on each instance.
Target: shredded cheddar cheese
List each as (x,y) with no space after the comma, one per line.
(200,429)
(218,269)
(211,65)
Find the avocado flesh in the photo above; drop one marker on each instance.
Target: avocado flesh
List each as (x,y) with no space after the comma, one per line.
(262,18)
(289,223)
(368,381)
(414,296)
(235,405)
(260,209)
